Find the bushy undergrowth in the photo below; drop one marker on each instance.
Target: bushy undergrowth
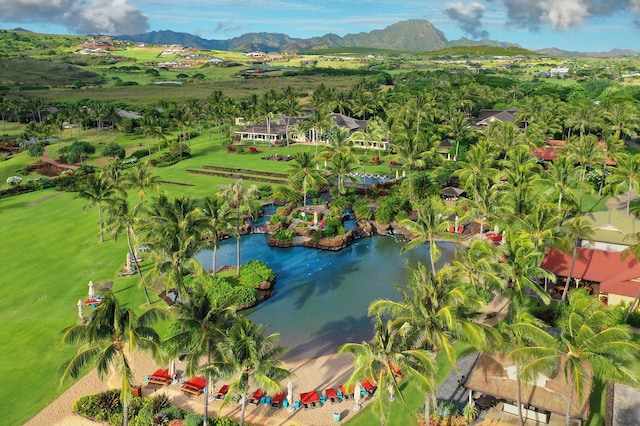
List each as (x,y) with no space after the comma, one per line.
(254,272)
(106,407)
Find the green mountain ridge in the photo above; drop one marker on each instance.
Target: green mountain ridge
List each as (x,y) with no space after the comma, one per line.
(417,35)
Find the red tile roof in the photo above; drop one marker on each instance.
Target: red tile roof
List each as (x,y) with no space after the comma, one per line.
(615,275)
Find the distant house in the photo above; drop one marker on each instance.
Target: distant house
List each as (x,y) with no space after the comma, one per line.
(488,116)
(558,72)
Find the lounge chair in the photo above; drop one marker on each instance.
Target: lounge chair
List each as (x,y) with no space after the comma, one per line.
(452,229)
(255,398)
(222,392)
(310,399)
(332,395)
(347,392)
(195,386)
(160,377)
(460,229)
(396,371)
(276,401)
(369,386)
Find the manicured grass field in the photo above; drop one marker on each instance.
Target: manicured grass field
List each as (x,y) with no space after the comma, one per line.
(50,251)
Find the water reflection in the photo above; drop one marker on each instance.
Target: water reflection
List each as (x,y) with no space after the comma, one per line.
(321,297)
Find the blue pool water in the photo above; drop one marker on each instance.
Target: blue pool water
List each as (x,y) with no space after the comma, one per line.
(321,297)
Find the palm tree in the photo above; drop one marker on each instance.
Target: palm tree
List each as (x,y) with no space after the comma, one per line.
(105,341)
(430,227)
(203,326)
(121,217)
(147,124)
(290,108)
(481,263)
(382,357)
(96,188)
(304,174)
(219,215)
(343,164)
(141,178)
(458,126)
(268,107)
(584,151)
(252,358)
(173,231)
(562,178)
(577,229)
(589,345)
(239,198)
(625,177)
(373,132)
(435,311)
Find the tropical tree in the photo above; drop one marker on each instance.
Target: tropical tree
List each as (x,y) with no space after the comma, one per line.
(141,178)
(589,345)
(383,357)
(304,174)
(459,128)
(343,164)
(122,217)
(577,229)
(435,312)
(96,188)
(430,227)
(219,215)
(252,359)
(201,326)
(563,179)
(106,340)
(240,199)
(173,231)
(625,177)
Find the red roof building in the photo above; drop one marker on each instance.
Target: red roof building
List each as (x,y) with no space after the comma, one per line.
(619,278)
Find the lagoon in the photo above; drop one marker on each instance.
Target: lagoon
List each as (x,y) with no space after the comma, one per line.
(321,297)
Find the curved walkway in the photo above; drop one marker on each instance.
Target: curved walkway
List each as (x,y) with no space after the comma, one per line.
(45,157)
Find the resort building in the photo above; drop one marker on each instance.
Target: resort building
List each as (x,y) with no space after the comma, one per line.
(276,131)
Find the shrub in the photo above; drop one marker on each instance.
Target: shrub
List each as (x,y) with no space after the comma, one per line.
(159,403)
(14,180)
(276,218)
(193,420)
(362,210)
(114,150)
(284,235)
(254,272)
(174,413)
(139,153)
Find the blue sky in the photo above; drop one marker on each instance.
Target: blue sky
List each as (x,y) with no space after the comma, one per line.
(583,25)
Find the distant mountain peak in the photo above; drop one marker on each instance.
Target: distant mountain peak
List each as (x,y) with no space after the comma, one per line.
(410,35)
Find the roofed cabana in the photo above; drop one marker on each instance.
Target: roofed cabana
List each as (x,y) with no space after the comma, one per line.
(495,375)
(452,193)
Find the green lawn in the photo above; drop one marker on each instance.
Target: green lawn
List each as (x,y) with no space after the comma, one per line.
(50,251)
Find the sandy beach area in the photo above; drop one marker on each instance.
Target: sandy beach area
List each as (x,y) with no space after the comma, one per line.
(312,374)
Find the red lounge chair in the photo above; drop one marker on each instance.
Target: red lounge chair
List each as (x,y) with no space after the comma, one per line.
(160,377)
(369,386)
(332,395)
(460,229)
(346,392)
(277,400)
(310,399)
(396,371)
(255,398)
(222,392)
(452,229)
(195,386)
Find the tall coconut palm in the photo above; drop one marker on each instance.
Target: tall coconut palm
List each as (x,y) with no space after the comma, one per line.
(625,177)
(563,179)
(96,188)
(122,217)
(430,227)
(201,326)
(577,229)
(435,312)
(589,345)
(458,126)
(304,174)
(141,178)
(252,359)
(342,165)
(240,199)
(220,216)
(481,262)
(112,333)
(382,357)
(586,152)
(173,230)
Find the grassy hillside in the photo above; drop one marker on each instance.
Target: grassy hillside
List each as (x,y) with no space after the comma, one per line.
(479,51)
(25,72)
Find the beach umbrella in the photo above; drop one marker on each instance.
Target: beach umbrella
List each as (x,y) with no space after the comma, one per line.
(80,309)
(315,218)
(397,174)
(325,163)
(128,262)
(290,395)
(92,290)
(504,236)
(403,174)
(356,397)
(172,369)
(495,229)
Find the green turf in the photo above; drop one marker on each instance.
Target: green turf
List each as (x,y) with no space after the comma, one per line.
(50,251)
